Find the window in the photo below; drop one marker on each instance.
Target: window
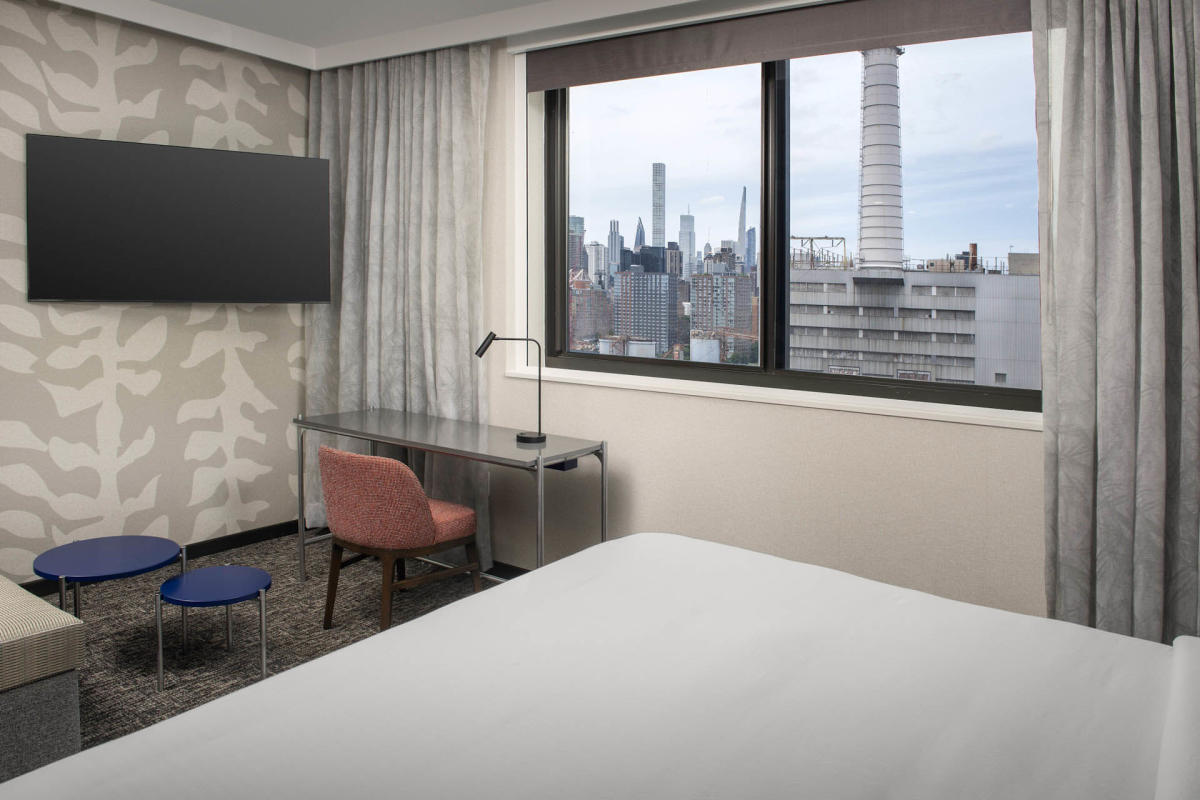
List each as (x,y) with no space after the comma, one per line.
(660,220)
(840,221)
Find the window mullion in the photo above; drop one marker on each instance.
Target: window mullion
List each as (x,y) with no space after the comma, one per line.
(773,277)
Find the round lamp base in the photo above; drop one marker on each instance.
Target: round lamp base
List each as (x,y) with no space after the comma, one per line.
(525,437)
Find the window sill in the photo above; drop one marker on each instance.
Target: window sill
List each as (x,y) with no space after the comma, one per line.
(939,412)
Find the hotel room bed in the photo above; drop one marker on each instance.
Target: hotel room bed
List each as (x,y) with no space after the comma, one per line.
(657,666)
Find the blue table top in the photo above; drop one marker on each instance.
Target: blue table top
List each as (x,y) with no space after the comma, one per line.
(215,586)
(105,558)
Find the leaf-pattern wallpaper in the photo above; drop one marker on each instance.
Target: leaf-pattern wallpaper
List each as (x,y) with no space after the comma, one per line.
(171,420)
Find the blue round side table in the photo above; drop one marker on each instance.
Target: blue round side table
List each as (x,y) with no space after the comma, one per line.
(104,558)
(215,586)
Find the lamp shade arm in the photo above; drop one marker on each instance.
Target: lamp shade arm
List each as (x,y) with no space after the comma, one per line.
(539,366)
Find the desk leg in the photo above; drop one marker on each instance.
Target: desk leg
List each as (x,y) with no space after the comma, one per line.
(62,593)
(300,524)
(540,470)
(602,454)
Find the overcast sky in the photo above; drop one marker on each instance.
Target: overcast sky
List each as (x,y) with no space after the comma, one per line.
(967,138)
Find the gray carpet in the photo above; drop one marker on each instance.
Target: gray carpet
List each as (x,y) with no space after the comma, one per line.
(118,694)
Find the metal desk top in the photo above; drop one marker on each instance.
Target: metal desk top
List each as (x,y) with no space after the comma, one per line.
(487,443)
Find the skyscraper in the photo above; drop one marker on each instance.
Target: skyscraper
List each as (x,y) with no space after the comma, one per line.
(574,243)
(751,249)
(658,191)
(652,259)
(597,258)
(646,306)
(722,302)
(674,259)
(687,242)
(615,242)
(740,250)
(639,238)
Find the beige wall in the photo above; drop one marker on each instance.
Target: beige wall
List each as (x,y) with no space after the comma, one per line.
(953,509)
(162,419)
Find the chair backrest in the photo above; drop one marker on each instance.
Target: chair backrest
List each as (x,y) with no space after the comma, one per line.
(374,502)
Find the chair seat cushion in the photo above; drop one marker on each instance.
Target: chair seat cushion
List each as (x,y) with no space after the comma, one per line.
(451,521)
(36,639)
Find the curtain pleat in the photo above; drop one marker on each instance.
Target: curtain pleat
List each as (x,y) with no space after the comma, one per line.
(404,138)
(1117,106)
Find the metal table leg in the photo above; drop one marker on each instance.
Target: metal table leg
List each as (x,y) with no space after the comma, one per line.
(603,456)
(183,609)
(62,592)
(300,524)
(262,628)
(229,627)
(540,470)
(77,600)
(158,625)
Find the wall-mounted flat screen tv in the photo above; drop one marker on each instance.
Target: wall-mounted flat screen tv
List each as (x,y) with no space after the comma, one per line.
(126,222)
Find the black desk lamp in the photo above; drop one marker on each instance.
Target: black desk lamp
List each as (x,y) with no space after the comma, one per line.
(524,437)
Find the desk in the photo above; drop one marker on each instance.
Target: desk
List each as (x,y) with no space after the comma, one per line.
(485,443)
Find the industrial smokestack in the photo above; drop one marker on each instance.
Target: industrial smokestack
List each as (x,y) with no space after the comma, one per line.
(881,206)
(973,249)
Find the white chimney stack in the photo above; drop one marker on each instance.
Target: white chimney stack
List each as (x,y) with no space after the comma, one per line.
(881,203)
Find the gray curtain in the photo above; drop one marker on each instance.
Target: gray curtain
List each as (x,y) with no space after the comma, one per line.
(404,138)
(1117,126)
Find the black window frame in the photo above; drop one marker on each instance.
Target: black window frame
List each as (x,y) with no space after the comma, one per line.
(774,277)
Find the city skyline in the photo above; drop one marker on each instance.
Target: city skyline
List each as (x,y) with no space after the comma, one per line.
(967,155)
(904,178)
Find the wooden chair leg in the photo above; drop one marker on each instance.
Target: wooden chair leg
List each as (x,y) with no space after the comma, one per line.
(473,558)
(400,572)
(335,569)
(385,600)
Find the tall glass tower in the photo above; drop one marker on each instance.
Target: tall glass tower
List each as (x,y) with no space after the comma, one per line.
(658,190)
(687,242)
(740,248)
(574,243)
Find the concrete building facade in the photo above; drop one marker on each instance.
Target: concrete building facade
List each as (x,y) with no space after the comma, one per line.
(955,327)
(646,306)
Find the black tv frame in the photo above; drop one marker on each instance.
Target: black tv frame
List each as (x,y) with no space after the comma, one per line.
(127,222)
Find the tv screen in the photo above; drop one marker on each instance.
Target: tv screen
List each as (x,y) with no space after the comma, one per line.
(125,222)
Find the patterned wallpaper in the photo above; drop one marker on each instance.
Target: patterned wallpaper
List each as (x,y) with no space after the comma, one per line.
(170,420)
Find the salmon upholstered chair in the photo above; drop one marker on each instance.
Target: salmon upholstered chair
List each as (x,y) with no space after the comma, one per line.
(376,506)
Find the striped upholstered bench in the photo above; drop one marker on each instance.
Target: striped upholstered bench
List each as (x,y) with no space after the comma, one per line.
(41,649)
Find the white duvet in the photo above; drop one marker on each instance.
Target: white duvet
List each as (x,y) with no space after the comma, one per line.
(657,666)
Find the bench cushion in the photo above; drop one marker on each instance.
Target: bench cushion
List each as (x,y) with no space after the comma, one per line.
(36,639)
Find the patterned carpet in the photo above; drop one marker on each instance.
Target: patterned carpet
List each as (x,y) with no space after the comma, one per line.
(117,682)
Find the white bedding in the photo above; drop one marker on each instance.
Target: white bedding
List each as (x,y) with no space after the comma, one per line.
(656,666)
